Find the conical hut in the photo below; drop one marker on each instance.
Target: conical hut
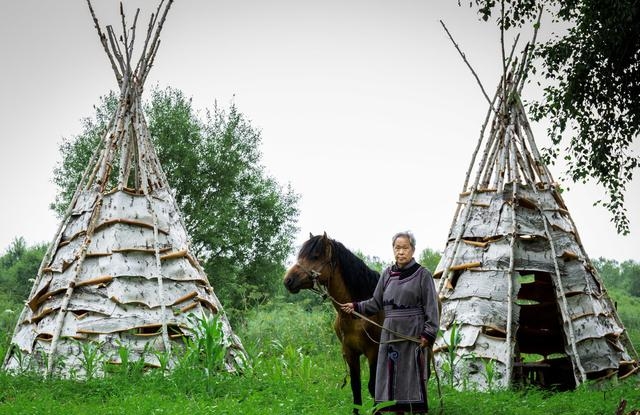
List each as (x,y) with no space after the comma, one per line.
(119,272)
(521,300)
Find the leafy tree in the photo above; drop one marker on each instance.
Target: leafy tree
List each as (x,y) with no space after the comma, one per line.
(630,273)
(593,72)
(430,259)
(13,253)
(373,262)
(624,276)
(18,266)
(241,221)
(609,271)
(76,152)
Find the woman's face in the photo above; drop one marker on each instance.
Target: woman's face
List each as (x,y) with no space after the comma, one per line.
(402,251)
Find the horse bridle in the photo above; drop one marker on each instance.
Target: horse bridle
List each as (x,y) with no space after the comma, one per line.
(314,275)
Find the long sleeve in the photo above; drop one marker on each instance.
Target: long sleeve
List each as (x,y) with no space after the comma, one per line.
(431,309)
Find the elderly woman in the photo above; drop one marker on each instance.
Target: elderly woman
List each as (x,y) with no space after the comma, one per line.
(407,294)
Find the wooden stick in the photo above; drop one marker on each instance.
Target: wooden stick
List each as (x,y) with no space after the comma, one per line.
(152,58)
(156,36)
(96,280)
(475,151)
(543,171)
(103,41)
(513,160)
(185,297)
(526,61)
(133,32)
(475,243)
(563,305)
(467,265)
(501,159)
(71,285)
(624,336)
(511,275)
(116,50)
(464,58)
(125,41)
(147,60)
(524,156)
(504,63)
(141,62)
(491,151)
(124,161)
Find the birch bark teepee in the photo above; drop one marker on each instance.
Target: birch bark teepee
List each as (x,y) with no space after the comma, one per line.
(119,270)
(516,283)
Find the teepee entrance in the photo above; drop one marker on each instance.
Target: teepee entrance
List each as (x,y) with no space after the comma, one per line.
(522,302)
(119,272)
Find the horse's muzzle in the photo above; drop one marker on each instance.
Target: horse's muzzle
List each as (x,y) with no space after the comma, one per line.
(291,284)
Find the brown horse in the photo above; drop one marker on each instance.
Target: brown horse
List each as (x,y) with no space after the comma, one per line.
(325,264)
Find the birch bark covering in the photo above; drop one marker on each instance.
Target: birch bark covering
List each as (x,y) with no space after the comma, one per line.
(119,270)
(514,278)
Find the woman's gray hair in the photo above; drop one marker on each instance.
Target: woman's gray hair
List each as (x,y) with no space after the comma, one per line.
(405,234)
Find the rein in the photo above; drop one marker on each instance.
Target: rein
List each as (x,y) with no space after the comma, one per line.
(323,291)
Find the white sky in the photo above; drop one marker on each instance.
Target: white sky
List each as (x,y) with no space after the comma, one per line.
(364,106)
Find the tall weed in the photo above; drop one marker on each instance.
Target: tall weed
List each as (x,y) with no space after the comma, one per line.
(91,358)
(304,325)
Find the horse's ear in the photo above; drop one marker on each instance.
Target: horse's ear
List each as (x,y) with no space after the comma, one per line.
(310,235)
(325,235)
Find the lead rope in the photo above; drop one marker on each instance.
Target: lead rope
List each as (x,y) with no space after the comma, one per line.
(431,361)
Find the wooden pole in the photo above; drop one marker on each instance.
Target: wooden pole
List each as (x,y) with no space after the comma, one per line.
(510,285)
(578,371)
(62,313)
(103,41)
(464,58)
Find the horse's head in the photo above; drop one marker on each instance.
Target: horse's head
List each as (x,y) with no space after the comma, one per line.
(314,265)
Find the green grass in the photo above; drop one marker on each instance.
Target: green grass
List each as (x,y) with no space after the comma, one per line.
(629,311)
(296,369)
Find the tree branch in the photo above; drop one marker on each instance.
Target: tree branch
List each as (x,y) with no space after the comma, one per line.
(464,58)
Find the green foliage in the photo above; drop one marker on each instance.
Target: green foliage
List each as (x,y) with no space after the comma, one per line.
(630,272)
(374,409)
(206,348)
(91,358)
(296,369)
(452,359)
(18,266)
(77,151)
(629,312)
(430,259)
(591,102)
(372,262)
(622,276)
(9,311)
(240,220)
(306,324)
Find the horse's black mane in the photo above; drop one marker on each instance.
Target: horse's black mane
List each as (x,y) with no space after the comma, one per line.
(359,279)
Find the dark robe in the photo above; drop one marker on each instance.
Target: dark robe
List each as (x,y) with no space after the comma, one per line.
(408,297)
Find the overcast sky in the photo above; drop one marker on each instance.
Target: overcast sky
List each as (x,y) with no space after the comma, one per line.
(364,107)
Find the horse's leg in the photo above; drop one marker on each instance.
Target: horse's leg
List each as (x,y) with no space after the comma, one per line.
(372,358)
(353,361)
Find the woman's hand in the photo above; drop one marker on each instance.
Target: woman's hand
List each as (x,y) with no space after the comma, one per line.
(425,343)
(347,307)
